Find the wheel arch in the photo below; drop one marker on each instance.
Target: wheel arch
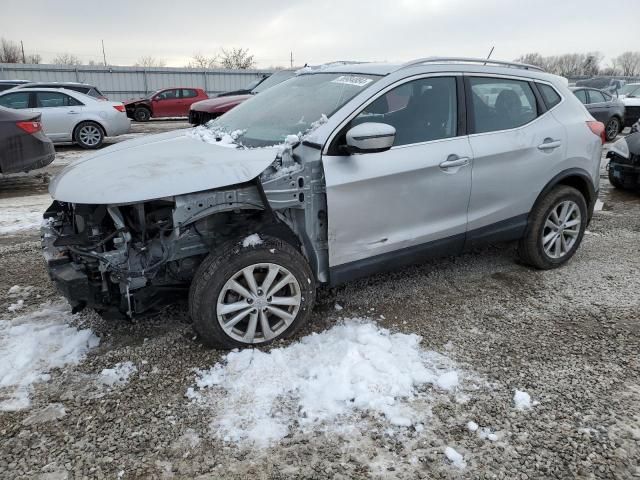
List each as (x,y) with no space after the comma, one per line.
(576,178)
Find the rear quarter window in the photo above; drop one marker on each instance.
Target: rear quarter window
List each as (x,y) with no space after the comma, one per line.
(549,95)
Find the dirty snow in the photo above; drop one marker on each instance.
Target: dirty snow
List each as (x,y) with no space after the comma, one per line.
(522,400)
(33,344)
(22,214)
(472,426)
(118,375)
(252,240)
(455,458)
(356,366)
(337,307)
(16,306)
(215,136)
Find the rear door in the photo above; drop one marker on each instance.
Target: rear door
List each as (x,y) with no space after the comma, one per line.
(397,206)
(598,106)
(516,146)
(60,114)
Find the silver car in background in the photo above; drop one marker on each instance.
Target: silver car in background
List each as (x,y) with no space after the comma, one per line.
(70,116)
(339,172)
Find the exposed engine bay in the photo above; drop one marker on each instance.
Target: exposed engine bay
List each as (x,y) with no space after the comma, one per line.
(126,259)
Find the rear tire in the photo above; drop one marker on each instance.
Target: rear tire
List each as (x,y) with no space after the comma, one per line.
(553,234)
(613,128)
(266,315)
(89,135)
(141,114)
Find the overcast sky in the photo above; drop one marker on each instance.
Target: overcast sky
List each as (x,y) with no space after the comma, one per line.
(320,30)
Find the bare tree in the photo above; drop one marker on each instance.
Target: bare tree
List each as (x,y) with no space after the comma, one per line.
(591,65)
(237,58)
(628,63)
(33,58)
(533,59)
(66,59)
(149,61)
(10,52)
(202,61)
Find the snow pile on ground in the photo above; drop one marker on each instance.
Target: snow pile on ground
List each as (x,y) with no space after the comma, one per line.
(455,458)
(522,400)
(21,214)
(215,136)
(31,346)
(19,293)
(118,375)
(353,367)
(252,240)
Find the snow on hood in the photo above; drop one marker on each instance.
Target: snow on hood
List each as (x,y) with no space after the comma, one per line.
(157,166)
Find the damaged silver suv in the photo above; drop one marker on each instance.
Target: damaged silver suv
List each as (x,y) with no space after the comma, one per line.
(337,173)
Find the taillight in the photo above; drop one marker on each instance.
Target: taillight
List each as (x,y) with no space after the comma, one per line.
(30,127)
(598,129)
(120,108)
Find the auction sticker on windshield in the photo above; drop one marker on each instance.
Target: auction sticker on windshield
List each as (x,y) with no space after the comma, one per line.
(352,80)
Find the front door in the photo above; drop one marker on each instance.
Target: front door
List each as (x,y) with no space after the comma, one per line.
(406,203)
(167,103)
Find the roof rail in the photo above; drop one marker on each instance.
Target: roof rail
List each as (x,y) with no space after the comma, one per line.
(483,61)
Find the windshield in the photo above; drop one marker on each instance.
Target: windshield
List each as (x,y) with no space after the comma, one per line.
(290,107)
(274,79)
(153,94)
(629,88)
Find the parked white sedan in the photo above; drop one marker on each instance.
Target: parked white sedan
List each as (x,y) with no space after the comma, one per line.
(69,116)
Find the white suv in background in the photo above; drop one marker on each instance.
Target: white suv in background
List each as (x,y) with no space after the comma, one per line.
(70,116)
(339,172)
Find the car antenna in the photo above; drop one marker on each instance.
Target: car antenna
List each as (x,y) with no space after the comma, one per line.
(490,52)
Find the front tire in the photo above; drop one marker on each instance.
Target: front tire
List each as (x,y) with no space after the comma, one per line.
(616,182)
(141,114)
(555,229)
(251,296)
(89,135)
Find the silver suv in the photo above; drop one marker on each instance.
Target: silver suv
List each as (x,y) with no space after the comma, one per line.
(339,172)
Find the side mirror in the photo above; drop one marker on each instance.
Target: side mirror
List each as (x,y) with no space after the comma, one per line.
(370,137)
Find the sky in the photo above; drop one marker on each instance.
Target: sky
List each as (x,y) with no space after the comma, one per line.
(318,31)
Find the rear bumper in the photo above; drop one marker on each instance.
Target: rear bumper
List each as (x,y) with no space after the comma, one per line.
(30,153)
(119,125)
(627,175)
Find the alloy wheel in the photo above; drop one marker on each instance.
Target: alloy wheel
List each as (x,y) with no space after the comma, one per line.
(561,229)
(90,135)
(258,303)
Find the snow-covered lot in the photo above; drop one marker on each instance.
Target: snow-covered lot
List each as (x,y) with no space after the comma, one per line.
(473,367)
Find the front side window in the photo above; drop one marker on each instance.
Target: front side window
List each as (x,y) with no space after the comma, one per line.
(596,97)
(582,95)
(501,104)
(420,111)
(54,99)
(167,95)
(16,100)
(291,107)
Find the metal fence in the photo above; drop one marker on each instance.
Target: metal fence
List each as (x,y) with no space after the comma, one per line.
(121,83)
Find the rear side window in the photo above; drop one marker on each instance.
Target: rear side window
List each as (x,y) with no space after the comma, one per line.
(55,99)
(549,95)
(595,97)
(15,100)
(582,95)
(501,104)
(189,93)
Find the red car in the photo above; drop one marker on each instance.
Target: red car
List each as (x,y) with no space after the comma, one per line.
(206,110)
(168,102)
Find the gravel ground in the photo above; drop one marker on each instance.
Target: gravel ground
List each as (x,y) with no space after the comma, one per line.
(569,337)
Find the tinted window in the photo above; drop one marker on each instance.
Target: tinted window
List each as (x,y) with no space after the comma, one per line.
(189,93)
(582,95)
(420,111)
(501,104)
(549,94)
(595,97)
(54,99)
(15,100)
(167,95)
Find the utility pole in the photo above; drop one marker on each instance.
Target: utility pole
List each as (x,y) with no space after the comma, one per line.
(291,59)
(104,57)
(23,57)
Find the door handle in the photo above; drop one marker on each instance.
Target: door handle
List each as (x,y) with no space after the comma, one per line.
(549,144)
(72,112)
(454,161)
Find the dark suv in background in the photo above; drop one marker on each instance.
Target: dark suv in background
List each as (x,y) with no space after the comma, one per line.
(85,88)
(9,84)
